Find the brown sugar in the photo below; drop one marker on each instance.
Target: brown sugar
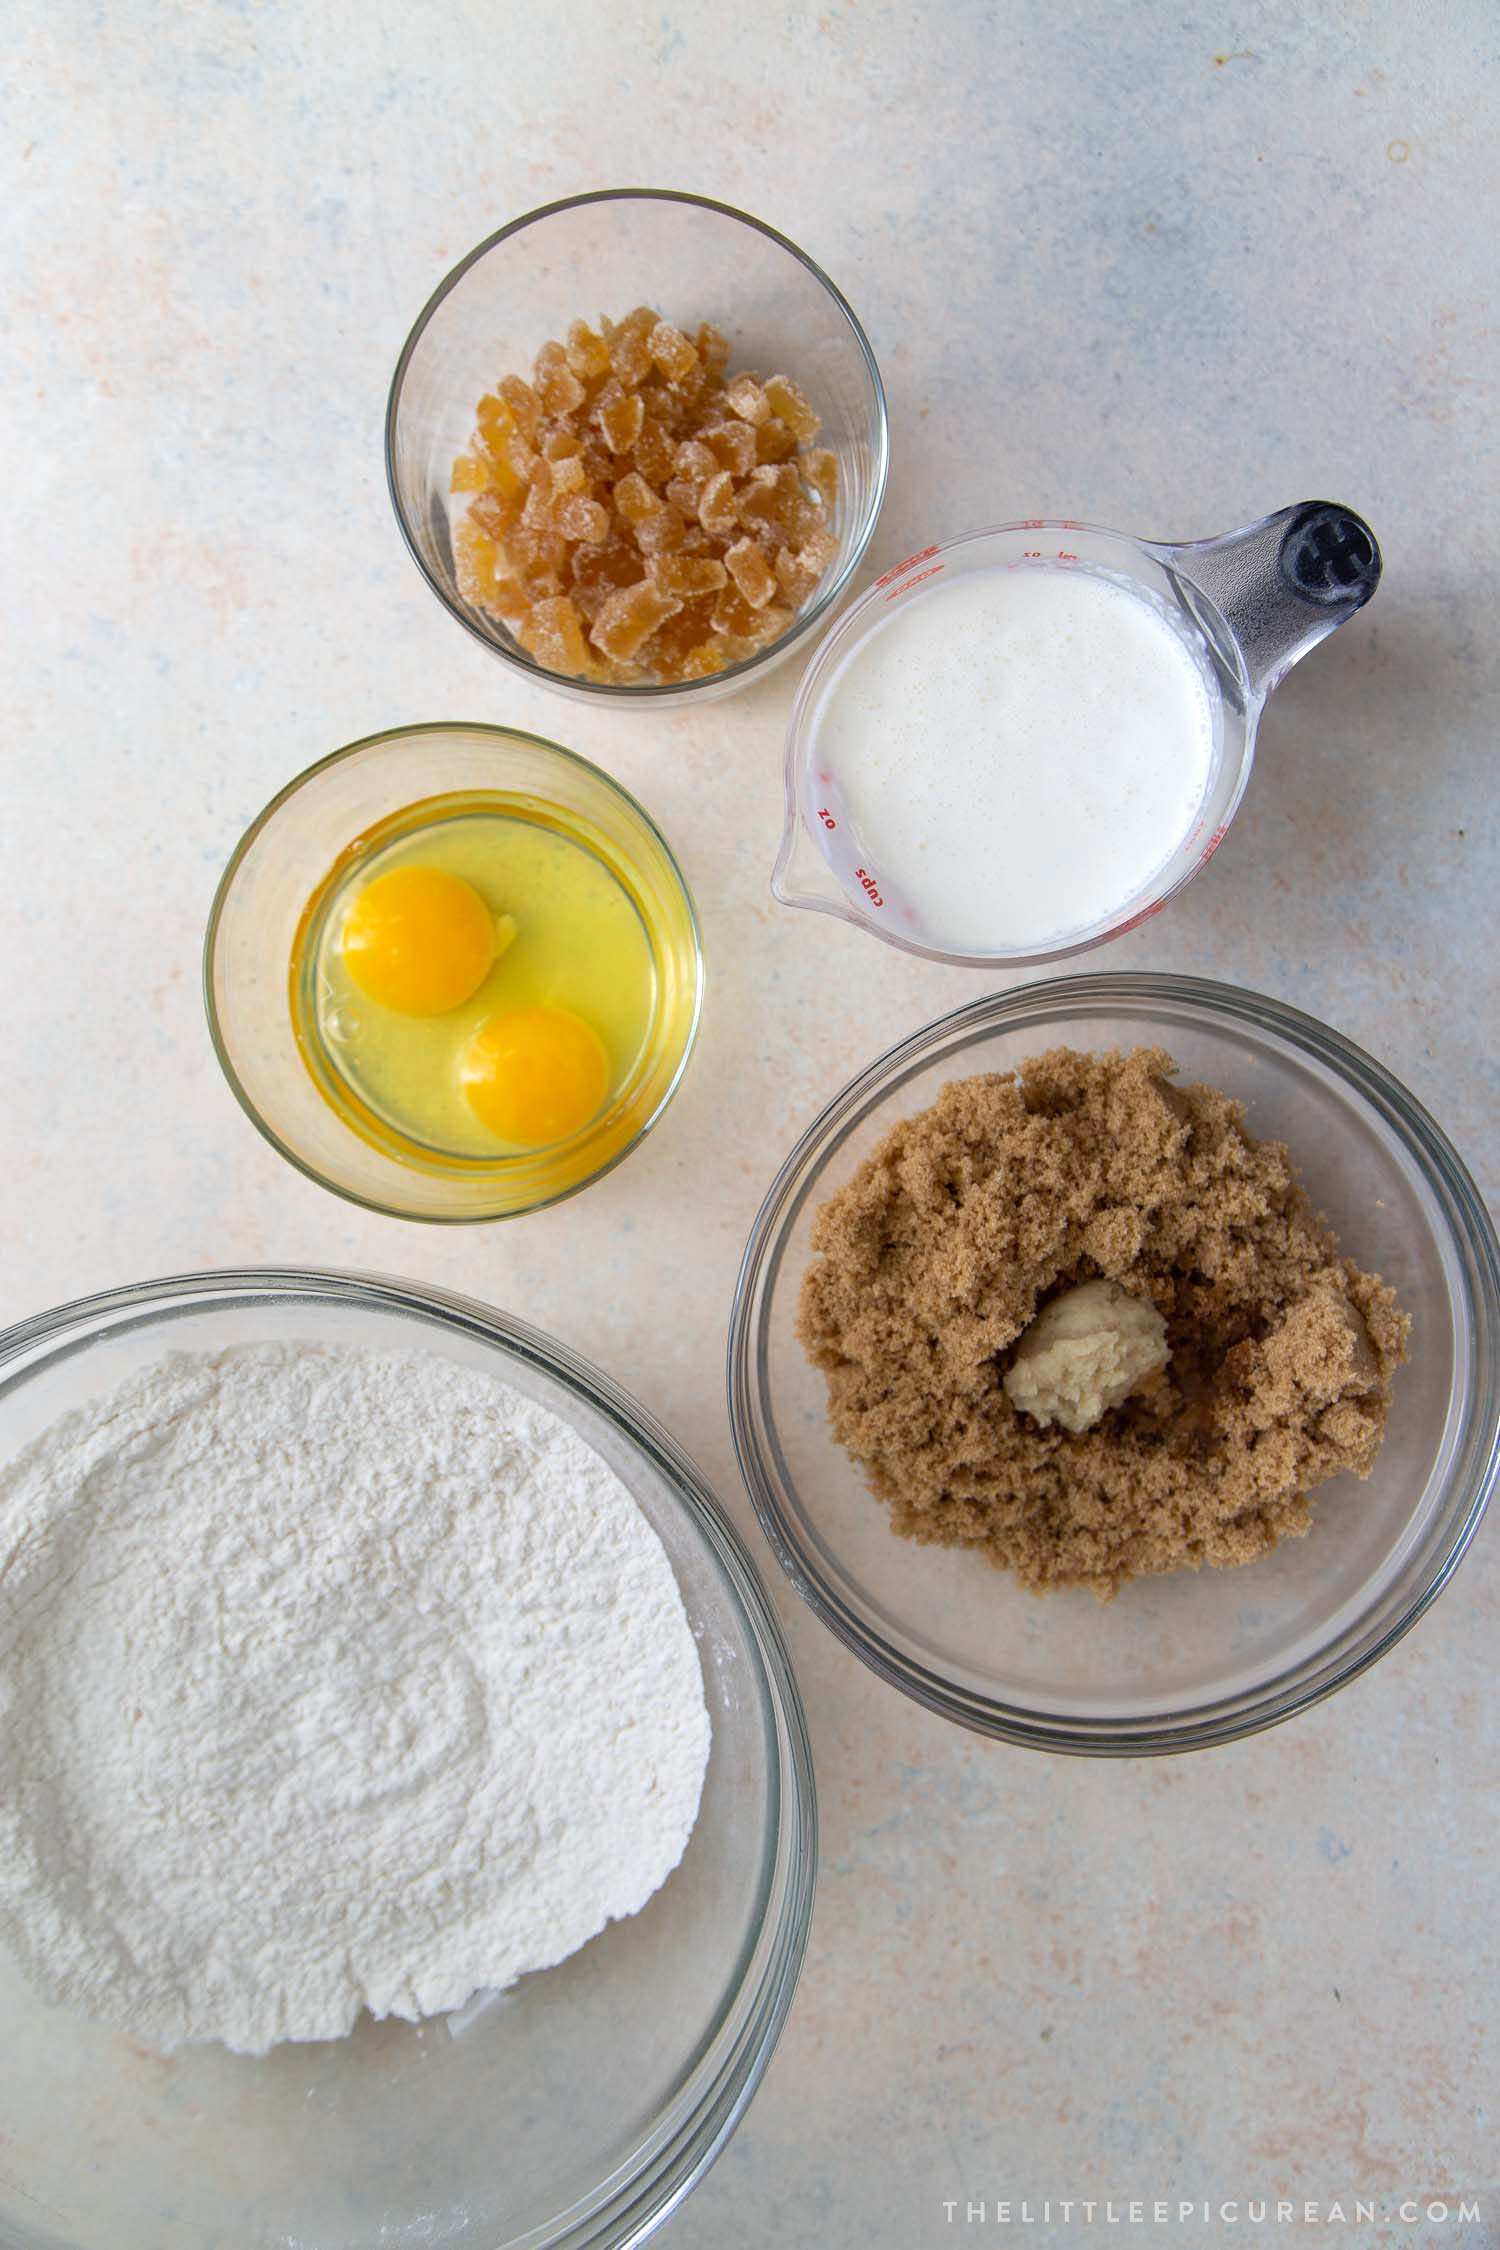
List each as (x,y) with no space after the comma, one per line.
(934,1259)
(633,446)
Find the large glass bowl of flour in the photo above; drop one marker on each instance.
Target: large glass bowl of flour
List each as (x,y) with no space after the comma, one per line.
(579,2106)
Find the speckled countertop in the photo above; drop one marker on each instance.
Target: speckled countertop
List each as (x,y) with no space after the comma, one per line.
(1165,267)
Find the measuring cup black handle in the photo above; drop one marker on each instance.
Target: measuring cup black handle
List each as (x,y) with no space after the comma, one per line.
(1279,586)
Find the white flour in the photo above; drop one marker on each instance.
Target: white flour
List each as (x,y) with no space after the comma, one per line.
(329,1680)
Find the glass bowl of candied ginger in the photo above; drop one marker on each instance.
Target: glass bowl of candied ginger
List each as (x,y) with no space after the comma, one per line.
(637,444)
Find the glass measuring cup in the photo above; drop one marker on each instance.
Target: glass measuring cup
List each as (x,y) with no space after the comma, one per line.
(1246,605)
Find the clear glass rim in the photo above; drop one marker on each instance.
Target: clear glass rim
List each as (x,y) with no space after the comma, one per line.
(1214,1720)
(799,736)
(225,886)
(648,691)
(625,2208)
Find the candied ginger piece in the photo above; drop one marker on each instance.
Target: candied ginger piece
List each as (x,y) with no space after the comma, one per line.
(733,444)
(736,617)
(578,517)
(537,512)
(588,354)
(558,388)
(523,403)
(752,574)
(690,390)
(770,623)
(733,614)
(682,493)
(553,633)
(788,402)
(470,474)
(774,441)
(533,549)
(510,459)
(667,406)
(568,473)
(495,416)
(629,617)
(561,444)
(496,513)
(654,452)
(713,347)
(818,549)
(629,348)
(476,560)
(709,657)
(803,519)
(620,416)
(671,351)
(820,469)
(508,601)
(762,507)
(717,504)
(772,501)
(506,448)
(687,575)
(658,534)
(677,634)
(747,399)
(695,461)
(793,577)
(634,498)
(599,571)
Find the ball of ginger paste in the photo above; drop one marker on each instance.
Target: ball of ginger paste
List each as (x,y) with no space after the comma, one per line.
(1084,1353)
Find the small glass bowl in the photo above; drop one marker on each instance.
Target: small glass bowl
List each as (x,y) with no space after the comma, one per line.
(285,855)
(694,259)
(572,2111)
(1190,1659)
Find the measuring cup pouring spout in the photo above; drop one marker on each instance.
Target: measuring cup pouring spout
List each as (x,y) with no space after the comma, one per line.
(802,876)
(1263,596)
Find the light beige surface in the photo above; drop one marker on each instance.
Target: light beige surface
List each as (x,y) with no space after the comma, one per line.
(1162,267)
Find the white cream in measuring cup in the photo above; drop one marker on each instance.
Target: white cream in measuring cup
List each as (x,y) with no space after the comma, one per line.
(1017,744)
(1019,752)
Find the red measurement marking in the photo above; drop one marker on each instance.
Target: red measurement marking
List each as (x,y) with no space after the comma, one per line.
(1031,554)
(826,817)
(1144,916)
(1034,523)
(867,882)
(1064,556)
(909,564)
(1214,841)
(907,583)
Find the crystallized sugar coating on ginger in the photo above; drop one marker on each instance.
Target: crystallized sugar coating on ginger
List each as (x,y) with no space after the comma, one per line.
(633,464)
(936,1257)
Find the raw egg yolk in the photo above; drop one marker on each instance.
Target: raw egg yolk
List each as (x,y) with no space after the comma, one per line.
(419,940)
(535,1075)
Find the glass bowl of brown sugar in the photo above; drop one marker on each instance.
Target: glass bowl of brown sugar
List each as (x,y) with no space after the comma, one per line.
(1190,1657)
(637,444)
